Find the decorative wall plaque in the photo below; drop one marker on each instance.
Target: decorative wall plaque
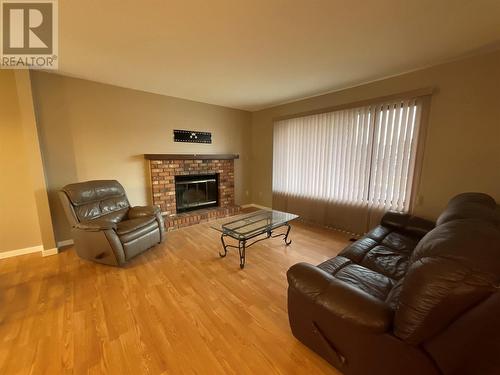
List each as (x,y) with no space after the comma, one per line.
(192,136)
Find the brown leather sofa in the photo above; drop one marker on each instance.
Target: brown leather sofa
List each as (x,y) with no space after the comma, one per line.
(104,226)
(409,297)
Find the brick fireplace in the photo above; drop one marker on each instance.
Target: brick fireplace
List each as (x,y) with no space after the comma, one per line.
(163,171)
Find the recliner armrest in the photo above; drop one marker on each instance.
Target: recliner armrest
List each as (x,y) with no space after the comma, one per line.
(405,222)
(96,225)
(340,299)
(140,211)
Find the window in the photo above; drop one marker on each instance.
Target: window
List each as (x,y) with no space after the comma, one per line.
(362,158)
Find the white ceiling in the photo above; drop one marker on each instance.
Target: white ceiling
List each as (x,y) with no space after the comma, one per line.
(252,54)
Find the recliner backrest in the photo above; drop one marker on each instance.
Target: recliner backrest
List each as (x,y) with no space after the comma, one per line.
(453,268)
(96,199)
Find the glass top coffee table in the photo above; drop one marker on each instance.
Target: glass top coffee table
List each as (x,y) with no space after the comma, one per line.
(250,226)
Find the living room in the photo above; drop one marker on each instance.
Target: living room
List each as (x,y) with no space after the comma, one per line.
(251,187)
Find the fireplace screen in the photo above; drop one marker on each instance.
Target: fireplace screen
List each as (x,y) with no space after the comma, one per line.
(194,192)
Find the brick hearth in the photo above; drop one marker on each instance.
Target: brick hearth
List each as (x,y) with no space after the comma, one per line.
(163,172)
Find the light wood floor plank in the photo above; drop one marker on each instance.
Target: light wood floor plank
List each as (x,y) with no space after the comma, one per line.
(177,309)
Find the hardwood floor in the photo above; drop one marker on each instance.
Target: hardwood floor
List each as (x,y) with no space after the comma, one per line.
(177,309)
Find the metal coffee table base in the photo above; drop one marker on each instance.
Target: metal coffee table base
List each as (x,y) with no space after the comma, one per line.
(243,243)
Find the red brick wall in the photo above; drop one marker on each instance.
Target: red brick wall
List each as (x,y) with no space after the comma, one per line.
(163,173)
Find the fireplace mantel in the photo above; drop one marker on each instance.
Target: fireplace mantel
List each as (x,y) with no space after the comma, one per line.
(191,156)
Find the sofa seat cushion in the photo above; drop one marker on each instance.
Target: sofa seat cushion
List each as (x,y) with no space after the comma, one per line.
(400,243)
(333,265)
(129,230)
(386,261)
(382,250)
(358,250)
(365,279)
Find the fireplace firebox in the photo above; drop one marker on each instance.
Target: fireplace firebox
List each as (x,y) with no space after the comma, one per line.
(193,192)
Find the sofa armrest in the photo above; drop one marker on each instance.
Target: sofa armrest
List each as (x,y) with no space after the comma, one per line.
(405,222)
(340,299)
(95,225)
(140,211)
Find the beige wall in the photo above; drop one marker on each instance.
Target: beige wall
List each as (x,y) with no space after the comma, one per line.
(18,214)
(34,159)
(90,131)
(462,149)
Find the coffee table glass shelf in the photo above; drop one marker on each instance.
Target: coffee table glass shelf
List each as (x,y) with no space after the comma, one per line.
(247,227)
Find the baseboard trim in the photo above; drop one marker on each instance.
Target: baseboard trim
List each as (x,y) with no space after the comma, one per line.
(26,250)
(65,243)
(256,206)
(48,252)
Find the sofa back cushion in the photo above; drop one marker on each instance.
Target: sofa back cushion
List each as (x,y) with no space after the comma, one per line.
(454,267)
(472,197)
(97,199)
(470,206)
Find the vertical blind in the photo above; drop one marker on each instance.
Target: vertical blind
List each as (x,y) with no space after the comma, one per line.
(361,158)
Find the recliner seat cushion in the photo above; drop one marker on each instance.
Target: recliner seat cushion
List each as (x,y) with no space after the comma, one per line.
(125,238)
(115,216)
(127,226)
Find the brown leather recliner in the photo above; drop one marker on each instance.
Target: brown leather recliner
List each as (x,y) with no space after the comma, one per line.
(104,226)
(408,298)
